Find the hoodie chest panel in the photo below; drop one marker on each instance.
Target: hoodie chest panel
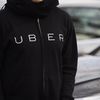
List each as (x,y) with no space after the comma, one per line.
(29,38)
(26,33)
(53,33)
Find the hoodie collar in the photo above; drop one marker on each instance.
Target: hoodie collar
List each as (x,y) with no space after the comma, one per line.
(28,8)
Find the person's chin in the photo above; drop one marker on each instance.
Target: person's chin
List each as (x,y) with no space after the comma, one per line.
(37,1)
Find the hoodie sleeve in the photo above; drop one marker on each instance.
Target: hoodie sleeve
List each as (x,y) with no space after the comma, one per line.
(1,55)
(69,55)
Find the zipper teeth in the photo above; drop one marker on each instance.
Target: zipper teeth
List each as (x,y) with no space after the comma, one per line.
(40,30)
(39,26)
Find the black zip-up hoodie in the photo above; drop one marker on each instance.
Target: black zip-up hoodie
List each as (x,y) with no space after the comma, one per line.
(38,52)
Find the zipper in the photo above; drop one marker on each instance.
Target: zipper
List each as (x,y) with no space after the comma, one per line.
(42,46)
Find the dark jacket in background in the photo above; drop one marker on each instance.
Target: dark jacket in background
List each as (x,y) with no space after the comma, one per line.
(38,52)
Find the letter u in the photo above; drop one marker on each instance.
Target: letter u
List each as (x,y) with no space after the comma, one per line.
(20,40)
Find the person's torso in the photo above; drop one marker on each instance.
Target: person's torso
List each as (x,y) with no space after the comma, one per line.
(32,62)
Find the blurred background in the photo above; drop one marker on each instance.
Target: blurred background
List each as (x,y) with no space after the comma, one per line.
(86,19)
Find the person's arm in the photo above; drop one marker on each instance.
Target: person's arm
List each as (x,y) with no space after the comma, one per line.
(1,56)
(69,55)
(1,92)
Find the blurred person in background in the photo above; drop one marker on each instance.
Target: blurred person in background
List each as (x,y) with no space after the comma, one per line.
(38,51)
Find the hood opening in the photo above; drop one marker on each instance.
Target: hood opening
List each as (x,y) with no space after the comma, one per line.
(27,7)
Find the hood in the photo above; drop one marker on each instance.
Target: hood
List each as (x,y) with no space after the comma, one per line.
(27,7)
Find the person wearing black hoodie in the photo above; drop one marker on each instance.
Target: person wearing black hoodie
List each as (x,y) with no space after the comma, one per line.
(38,51)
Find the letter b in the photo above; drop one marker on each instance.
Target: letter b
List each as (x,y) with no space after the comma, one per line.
(32,38)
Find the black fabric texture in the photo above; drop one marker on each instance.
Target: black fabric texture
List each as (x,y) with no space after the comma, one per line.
(38,55)
(27,7)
